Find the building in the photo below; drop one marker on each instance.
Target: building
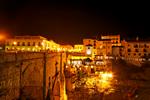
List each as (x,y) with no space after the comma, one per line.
(115,39)
(90,46)
(67,48)
(135,50)
(29,43)
(102,47)
(106,48)
(117,51)
(78,48)
(52,46)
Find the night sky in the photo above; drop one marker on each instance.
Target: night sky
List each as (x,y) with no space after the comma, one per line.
(70,22)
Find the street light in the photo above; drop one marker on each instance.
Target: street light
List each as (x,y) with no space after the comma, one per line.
(2,37)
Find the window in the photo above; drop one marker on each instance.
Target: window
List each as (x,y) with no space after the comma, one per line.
(139,54)
(121,54)
(136,50)
(18,43)
(23,43)
(33,43)
(28,43)
(135,46)
(144,50)
(140,46)
(39,44)
(120,49)
(129,50)
(94,44)
(134,54)
(145,45)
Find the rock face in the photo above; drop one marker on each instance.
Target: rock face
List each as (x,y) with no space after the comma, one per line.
(30,75)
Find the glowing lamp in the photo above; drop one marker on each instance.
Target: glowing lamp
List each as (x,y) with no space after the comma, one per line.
(14,43)
(88,52)
(2,37)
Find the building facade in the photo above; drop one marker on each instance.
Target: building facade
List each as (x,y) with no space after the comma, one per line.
(115,39)
(29,43)
(136,50)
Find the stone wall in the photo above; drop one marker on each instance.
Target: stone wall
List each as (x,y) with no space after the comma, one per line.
(22,73)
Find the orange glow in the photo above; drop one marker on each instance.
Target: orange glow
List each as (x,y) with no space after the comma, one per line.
(14,43)
(3,34)
(2,37)
(88,52)
(106,76)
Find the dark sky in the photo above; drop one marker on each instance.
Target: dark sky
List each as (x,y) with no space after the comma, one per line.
(70,22)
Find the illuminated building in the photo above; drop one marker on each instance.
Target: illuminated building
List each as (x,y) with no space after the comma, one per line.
(79,48)
(76,58)
(66,47)
(115,39)
(136,50)
(101,47)
(117,51)
(29,43)
(105,48)
(52,46)
(90,46)
(89,50)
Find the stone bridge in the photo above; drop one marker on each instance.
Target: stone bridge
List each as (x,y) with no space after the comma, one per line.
(32,75)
